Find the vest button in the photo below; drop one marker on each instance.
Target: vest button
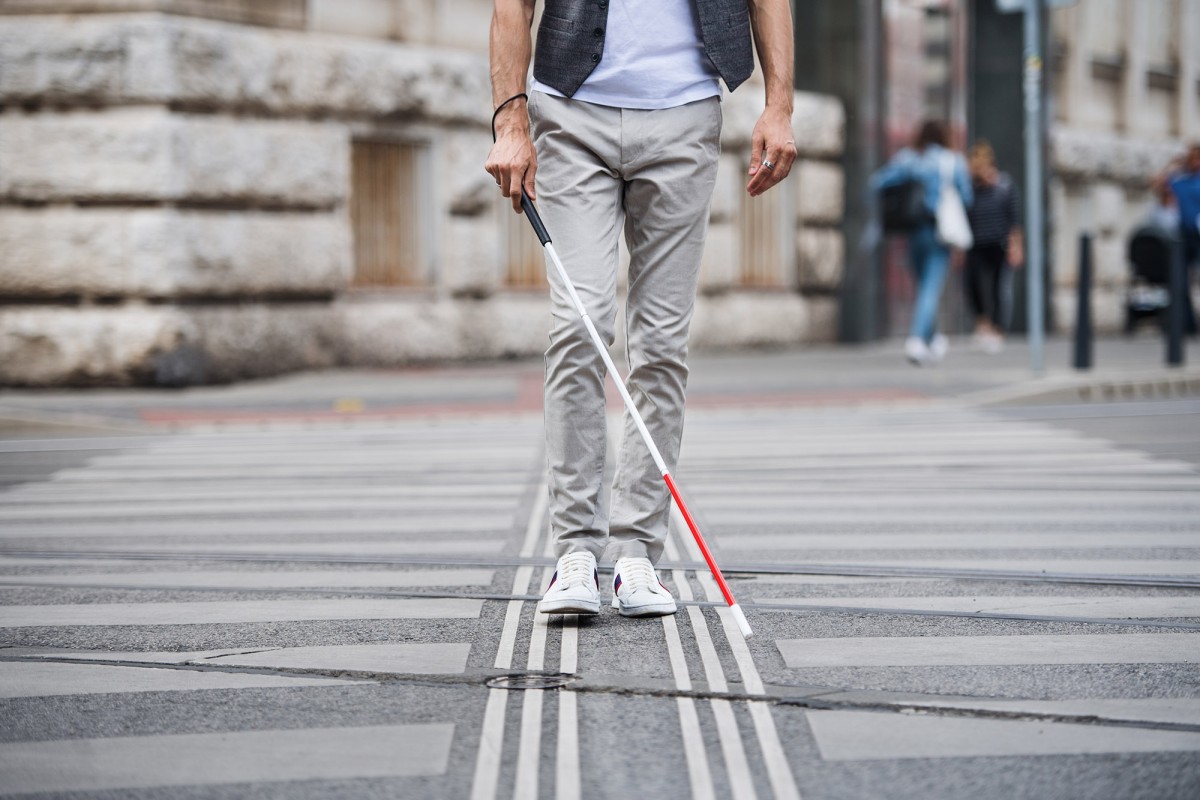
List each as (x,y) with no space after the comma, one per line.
(595,57)
(603,5)
(598,32)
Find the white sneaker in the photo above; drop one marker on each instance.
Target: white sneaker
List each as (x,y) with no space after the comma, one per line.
(916,351)
(637,591)
(939,347)
(575,587)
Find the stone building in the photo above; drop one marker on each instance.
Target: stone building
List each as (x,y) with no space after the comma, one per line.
(1125,77)
(198,191)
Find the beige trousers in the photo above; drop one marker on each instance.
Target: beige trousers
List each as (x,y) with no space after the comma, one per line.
(604,172)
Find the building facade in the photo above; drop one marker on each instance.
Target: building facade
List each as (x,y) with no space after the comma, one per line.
(197,191)
(1124,75)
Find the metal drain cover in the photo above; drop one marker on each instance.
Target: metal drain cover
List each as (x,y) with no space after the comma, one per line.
(522,682)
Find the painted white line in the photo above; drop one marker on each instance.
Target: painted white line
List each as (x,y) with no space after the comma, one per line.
(1125,566)
(737,767)
(868,736)
(414,658)
(741,780)
(340,525)
(699,774)
(491,746)
(529,747)
(236,611)
(1107,607)
(426,546)
(964,539)
(568,776)
(207,759)
(302,579)
(921,651)
(779,772)
(287,507)
(49,679)
(529,751)
(512,620)
(491,740)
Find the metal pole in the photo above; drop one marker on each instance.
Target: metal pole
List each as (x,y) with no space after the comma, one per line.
(1083,313)
(1034,181)
(1177,285)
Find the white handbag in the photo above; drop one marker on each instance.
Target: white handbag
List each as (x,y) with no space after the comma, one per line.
(953,229)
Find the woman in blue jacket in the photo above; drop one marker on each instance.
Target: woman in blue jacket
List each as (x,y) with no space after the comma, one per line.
(926,162)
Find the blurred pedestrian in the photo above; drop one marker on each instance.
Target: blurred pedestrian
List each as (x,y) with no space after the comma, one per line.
(1184,182)
(942,174)
(998,245)
(622,124)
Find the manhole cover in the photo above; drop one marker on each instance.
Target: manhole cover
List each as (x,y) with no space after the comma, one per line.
(519,683)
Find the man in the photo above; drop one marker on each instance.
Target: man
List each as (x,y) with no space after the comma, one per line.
(621,126)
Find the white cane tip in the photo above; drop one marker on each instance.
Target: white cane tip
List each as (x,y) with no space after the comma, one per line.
(740,619)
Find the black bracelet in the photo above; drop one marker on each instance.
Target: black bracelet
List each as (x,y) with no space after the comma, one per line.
(500,107)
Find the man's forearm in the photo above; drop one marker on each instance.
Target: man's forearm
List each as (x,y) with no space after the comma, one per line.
(511,47)
(771,21)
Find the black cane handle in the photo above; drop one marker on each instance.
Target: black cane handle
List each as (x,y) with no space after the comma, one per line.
(535,219)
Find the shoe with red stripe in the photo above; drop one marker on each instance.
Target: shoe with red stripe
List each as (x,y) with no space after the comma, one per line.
(575,587)
(638,592)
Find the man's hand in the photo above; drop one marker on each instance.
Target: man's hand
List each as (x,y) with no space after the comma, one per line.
(512,161)
(772,151)
(773,145)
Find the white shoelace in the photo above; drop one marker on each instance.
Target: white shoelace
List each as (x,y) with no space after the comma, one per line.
(576,568)
(637,573)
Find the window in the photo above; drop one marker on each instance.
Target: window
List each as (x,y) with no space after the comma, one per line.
(385,212)
(524,259)
(766,237)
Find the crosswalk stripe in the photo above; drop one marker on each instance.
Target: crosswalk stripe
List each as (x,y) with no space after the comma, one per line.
(968,538)
(244,579)
(340,525)
(923,651)
(1109,607)
(141,762)
(242,611)
(1048,564)
(47,679)
(868,736)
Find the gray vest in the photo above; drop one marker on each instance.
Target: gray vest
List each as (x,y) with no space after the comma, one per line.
(570,41)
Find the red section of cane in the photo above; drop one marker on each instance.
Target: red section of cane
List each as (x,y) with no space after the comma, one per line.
(738,616)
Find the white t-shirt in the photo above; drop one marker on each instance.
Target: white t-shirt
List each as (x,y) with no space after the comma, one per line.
(653,58)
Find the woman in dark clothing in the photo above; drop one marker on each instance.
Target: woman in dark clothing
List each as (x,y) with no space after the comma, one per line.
(998,245)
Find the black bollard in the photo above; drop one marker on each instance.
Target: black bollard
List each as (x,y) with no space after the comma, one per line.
(1083,314)
(1177,285)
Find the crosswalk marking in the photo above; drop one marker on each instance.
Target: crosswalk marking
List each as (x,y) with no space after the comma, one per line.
(237,611)
(246,579)
(923,651)
(206,759)
(46,679)
(867,736)
(1057,605)
(969,537)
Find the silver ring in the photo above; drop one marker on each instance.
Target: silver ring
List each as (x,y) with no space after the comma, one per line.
(768,165)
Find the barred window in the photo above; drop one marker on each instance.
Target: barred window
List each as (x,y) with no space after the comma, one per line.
(385,212)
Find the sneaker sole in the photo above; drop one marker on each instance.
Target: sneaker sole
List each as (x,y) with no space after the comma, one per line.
(652,610)
(569,607)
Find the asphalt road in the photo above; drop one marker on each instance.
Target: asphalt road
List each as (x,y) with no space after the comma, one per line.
(962,582)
